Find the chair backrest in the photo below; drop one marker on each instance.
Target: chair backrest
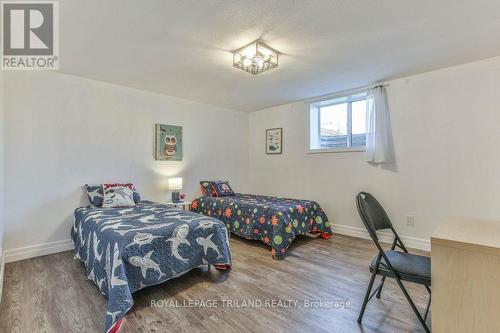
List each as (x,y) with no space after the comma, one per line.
(372,214)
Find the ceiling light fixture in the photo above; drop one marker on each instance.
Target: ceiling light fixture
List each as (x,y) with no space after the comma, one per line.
(255,58)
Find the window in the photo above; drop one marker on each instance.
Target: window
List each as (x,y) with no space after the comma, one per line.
(338,124)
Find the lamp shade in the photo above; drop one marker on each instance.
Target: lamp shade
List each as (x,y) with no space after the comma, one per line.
(175,184)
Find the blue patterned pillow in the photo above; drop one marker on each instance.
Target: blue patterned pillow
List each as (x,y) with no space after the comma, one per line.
(206,188)
(222,189)
(95,194)
(137,197)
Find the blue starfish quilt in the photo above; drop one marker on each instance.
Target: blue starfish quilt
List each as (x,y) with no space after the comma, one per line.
(127,249)
(274,221)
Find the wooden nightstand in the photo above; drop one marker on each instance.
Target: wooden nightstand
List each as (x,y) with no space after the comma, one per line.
(186,205)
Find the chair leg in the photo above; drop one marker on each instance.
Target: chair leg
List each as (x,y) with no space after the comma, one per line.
(428,305)
(414,308)
(381,286)
(367,296)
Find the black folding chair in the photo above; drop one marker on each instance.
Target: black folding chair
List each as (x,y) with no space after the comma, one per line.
(401,266)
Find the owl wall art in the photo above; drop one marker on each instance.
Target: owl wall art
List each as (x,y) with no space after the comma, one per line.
(168,143)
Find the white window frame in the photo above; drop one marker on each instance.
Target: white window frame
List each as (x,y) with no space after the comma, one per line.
(340,99)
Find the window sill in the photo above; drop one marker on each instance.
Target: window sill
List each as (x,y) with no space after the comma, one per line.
(338,150)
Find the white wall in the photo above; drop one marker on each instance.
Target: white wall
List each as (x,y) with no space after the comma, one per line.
(64,131)
(446,127)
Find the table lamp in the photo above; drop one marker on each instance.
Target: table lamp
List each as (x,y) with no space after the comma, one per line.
(174,185)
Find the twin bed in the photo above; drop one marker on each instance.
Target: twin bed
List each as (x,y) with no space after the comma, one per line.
(130,248)
(127,249)
(274,221)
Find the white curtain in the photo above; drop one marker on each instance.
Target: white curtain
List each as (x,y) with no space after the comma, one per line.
(379,146)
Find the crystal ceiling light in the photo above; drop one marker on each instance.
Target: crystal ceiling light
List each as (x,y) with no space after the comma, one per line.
(255,58)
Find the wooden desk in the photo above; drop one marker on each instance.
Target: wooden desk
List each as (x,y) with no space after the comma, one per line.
(465,262)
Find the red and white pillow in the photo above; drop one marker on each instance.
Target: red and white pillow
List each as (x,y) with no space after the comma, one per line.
(95,194)
(118,195)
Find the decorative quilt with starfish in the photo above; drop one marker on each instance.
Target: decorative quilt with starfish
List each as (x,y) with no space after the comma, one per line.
(274,221)
(127,249)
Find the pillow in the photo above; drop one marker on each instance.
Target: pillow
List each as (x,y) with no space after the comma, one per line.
(137,197)
(222,189)
(95,194)
(206,188)
(118,195)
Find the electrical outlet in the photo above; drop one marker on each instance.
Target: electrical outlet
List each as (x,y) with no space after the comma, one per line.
(410,220)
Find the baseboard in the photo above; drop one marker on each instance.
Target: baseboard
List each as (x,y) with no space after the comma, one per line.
(38,250)
(411,242)
(2,265)
(65,245)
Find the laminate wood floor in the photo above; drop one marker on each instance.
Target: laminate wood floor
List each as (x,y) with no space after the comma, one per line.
(52,294)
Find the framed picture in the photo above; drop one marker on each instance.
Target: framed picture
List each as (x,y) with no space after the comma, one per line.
(168,143)
(274,141)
